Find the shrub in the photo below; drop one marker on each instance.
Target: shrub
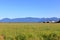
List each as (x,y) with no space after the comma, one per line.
(30,35)
(44,37)
(52,36)
(8,38)
(20,37)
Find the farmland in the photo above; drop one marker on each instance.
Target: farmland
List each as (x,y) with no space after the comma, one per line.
(29,31)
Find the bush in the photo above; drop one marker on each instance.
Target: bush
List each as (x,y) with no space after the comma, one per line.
(52,36)
(8,38)
(20,37)
(45,37)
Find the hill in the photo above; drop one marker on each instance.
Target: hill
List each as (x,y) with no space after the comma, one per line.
(29,19)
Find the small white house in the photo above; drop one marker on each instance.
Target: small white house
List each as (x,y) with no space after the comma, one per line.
(53,21)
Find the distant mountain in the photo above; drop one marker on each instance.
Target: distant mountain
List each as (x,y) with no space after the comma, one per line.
(29,19)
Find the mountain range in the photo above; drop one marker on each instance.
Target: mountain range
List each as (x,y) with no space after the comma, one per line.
(29,19)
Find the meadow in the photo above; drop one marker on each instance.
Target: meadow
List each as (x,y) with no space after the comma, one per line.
(29,31)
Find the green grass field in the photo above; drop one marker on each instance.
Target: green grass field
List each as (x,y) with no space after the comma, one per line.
(30,31)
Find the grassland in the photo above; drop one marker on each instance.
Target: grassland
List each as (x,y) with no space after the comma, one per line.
(29,31)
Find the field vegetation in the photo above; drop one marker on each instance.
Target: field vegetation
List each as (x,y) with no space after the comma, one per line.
(29,31)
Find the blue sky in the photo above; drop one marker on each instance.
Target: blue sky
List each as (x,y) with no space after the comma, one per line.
(29,8)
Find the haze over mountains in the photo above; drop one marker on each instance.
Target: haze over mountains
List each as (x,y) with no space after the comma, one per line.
(29,19)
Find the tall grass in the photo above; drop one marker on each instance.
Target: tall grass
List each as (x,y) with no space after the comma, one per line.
(30,31)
